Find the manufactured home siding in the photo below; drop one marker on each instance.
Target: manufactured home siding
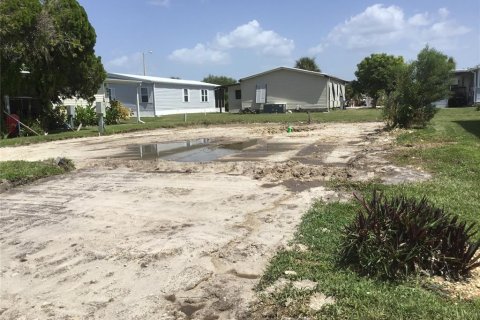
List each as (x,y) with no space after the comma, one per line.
(169,99)
(234,104)
(74,102)
(79,102)
(295,89)
(126,93)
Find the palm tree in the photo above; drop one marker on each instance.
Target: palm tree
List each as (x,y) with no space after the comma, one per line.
(307,63)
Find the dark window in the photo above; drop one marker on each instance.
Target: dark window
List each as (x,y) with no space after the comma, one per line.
(144,94)
(185,95)
(204,95)
(238,94)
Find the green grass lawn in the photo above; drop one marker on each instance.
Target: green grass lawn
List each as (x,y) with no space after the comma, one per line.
(20,172)
(172,121)
(450,149)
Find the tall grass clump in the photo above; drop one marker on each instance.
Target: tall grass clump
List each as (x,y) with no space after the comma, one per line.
(396,237)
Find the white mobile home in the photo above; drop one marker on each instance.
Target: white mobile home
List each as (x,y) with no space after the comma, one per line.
(156,96)
(295,89)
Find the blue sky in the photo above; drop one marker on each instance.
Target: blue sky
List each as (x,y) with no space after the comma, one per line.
(193,38)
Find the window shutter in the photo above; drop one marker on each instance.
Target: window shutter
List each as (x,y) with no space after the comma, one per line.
(261,94)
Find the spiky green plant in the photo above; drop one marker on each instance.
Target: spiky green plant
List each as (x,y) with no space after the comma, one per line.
(393,238)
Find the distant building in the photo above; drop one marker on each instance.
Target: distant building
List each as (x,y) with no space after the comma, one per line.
(465,87)
(157,96)
(287,88)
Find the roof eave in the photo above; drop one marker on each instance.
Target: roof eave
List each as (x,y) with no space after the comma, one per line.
(294,70)
(146,80)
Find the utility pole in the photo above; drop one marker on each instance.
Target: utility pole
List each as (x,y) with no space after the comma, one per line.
(143,59)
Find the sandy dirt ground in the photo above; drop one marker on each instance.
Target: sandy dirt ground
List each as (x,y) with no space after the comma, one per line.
(123,238)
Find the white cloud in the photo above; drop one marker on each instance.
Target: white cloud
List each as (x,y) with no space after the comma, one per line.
(443,12)
(318,49)
(420,19)
(248,36)
(125,60)
(200,54)
(118,62)
(446,29)
(253,36)
(380,26)
(161,3)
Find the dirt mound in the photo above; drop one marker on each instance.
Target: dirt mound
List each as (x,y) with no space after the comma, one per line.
(276,129)
(298,171)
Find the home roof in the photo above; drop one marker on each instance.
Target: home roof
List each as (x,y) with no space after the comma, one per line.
(113,80)
(159,80)
(468,69)
(321,74)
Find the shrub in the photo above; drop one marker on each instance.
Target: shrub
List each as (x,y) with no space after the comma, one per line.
(87,116)
(404,107)
(33,124)
(116,112)
(418,85)
(53,118)
(393,238)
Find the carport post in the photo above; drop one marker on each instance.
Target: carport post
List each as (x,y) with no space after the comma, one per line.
(138,104)
(100,109)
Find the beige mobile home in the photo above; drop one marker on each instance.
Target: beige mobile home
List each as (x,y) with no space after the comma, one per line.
(290,88)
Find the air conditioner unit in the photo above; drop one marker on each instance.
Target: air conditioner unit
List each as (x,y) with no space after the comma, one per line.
(274,108)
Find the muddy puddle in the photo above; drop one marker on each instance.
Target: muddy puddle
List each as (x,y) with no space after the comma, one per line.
(205,150)
(197,150)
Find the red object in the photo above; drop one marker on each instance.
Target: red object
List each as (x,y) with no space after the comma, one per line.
(12,124)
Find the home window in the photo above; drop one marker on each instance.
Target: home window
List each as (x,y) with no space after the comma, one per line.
(186,96)
(238,94)
(204,95)
(144,94)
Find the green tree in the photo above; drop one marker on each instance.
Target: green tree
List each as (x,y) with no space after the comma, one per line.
(307,63)
(18,28)
(54,41)
(433,72)
(353,92)
(74,69)
(376,73)
(419,84)
(220,80)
